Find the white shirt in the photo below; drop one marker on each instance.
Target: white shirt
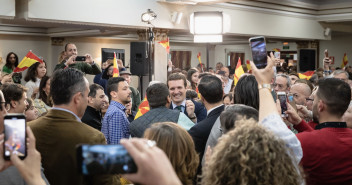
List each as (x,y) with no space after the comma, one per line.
(183,105)
(30,85)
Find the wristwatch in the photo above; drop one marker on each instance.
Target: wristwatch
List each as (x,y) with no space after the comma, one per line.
(262,86)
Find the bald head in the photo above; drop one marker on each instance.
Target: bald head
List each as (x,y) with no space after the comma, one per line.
(300,92)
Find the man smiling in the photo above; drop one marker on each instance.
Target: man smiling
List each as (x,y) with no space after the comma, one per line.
(177,86)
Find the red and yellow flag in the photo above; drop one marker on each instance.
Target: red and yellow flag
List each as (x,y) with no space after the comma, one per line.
(27,62)
(200,61)
(198,94)
(306,75)
(143,108)
(238,71)
(344,61)
(115,72)
(248,65)
(165,44)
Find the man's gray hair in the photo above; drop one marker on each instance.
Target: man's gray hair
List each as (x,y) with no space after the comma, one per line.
(337,72)
(284,76)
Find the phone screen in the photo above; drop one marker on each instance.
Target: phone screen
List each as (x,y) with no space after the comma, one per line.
(258,48)
(104,159)
(15,136)
(282,98)
(80,58)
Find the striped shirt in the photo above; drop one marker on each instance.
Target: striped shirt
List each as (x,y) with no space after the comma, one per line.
(115,125)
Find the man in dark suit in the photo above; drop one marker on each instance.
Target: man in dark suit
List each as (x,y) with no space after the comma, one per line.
(177,84)
(210,89)
(159,101)
(61,130)
(92,115)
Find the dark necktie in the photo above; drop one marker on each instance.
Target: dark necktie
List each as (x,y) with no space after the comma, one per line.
(179,108)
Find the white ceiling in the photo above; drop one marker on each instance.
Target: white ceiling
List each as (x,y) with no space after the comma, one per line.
(334,14)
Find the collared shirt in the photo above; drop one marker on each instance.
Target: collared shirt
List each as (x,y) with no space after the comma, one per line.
(115,125)
(213,109)
(183,104)
(57,108)
(274,123)
(227,87)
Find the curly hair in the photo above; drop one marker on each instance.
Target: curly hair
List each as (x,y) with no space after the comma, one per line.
(250,154)
(178,146)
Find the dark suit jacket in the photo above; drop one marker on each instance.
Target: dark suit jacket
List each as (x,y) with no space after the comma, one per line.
(200,132)
(57,135)
(92,117)
(199,110)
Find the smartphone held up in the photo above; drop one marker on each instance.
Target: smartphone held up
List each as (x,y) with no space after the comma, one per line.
(15,136)
(258,48)
(283,103)
(104,159)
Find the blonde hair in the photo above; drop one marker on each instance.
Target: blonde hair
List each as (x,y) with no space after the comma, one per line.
(250,154)
(178,146)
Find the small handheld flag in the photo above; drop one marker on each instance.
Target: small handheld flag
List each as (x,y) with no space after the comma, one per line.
(27,62)
(238,71)
(166,44)
(115,72)
(344,61)
(200,61)
(248,65)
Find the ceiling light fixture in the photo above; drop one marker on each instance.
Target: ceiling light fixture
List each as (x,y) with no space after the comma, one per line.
(148,16)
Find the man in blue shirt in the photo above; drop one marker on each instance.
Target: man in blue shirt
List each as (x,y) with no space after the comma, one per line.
(115,124)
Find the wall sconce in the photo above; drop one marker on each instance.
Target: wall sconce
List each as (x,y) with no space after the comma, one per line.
(148,16)
(208,26)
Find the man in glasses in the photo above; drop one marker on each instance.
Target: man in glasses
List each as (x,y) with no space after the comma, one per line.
(282,83)
(300,92)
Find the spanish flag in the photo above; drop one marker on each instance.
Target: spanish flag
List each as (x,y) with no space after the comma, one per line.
(165,44)
(248,65)
(306,75)
(27,62)
(238,71)
(143,108)
(198,94)
(344,61)
(115,72)
(200,61)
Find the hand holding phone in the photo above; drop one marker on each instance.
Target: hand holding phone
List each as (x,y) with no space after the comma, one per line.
(15,136)
(283,103)
(80,58)
(258,48)
(104,159)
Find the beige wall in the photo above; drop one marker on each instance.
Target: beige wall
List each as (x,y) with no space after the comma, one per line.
(337,47)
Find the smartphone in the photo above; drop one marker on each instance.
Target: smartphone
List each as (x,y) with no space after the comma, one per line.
(80,58)
(104,159)
(15,136)
(258,47)
(283,99)
(277,54)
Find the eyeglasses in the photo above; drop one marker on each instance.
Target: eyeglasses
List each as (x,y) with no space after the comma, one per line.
(309,99)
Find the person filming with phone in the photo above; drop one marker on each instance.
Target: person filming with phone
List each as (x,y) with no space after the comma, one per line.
(84,63)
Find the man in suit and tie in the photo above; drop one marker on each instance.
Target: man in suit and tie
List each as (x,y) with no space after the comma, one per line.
(210,89)
(177,84)
(61,130)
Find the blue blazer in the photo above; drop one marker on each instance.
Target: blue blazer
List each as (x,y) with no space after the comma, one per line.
(199,110)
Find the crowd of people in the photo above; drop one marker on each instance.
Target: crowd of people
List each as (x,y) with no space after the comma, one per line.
(206,129)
